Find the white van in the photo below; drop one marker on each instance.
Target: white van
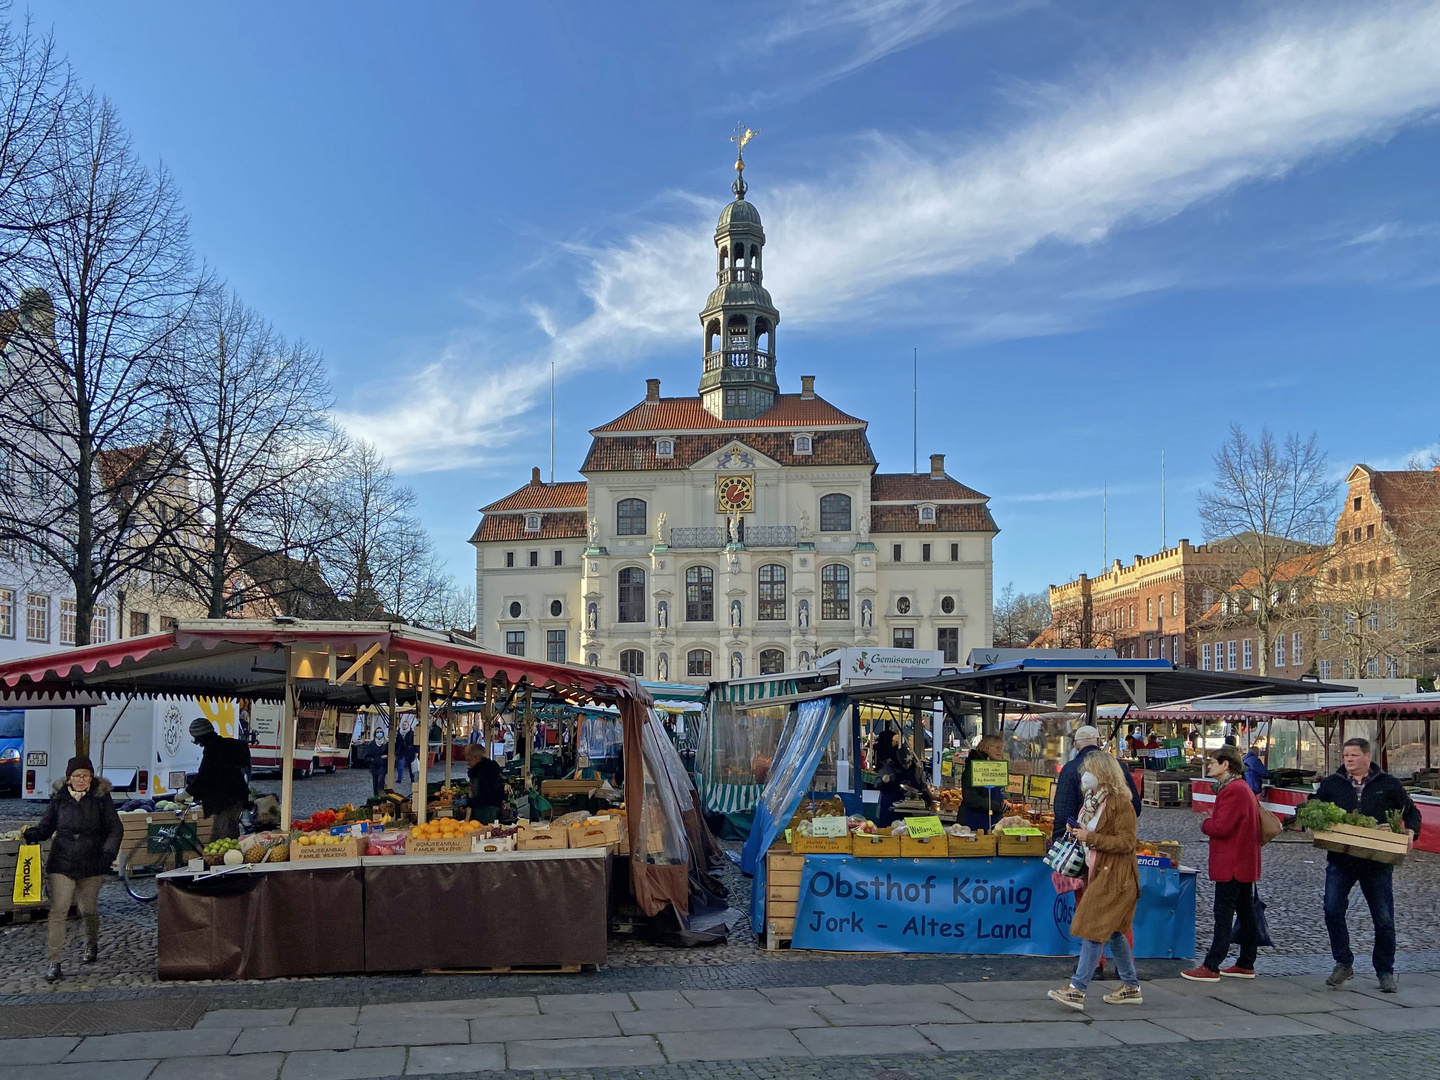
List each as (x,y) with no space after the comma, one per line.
(141,745)
(317,738)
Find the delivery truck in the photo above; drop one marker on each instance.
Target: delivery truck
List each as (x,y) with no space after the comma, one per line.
(320,744)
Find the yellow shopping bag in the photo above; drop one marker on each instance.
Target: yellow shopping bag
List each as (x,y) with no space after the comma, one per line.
(28,875)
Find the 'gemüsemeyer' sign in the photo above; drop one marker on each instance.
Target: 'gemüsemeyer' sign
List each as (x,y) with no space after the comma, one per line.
(1001,905)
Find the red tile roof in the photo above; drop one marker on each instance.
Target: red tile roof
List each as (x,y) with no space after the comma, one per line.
(554,526)
(1409,498)
(538,496)
(790,411)
(918,487)
(950,518)
(624,453)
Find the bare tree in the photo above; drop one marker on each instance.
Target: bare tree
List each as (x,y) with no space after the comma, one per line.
(85,416)
(250,410)
(1019,617)
(1268,504)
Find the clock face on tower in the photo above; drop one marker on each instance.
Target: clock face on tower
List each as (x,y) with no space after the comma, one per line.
(735,494)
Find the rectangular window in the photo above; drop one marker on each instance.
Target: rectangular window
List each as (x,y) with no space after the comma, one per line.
(1205,657)
(1369,532)
(37,617)
(509,558)
(1372,665)
(772,593)
(1230,653)
(67,622)
(559,558)
(1347,669)
(515,642)
(904,637)
(1280,650)
(100,625)
(947,640)
(1149,648)
(7,613)
(1174,603)
(555,648)
(924,552)
(1149,612)
(139,623)
(954,552)
(1247,654)
(1372,620)
(1392,667)
(1324,669)
(1325,624)
(896,553)
(1297,649)
(534,558)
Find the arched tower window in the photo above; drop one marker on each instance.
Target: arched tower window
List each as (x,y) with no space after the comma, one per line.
(737,334)
(712,332)
(632,594)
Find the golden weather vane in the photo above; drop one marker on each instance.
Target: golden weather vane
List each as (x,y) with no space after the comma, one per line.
(741,138)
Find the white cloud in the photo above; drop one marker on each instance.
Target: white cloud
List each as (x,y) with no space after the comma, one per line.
(1113,152)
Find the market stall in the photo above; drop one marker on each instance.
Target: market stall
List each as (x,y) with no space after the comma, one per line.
(254,917)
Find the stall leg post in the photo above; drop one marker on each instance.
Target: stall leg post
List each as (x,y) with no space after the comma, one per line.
(289,718)
(394,731)
(421,788)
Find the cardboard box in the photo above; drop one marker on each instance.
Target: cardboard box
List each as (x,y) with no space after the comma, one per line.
(820,845)
(541,839)
(976,846)
(484,845)
(457,845)
(596,834)
(874,845)
(929,847)
(347,849)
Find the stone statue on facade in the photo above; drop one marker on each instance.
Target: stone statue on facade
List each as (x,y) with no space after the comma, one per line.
(804,615)
(863,525)
(592,614)
(662,667)
(805,531)
(660,528)
(867,615)
(592,530)
(662,614)
(804,661)
(737,664)
(735,612)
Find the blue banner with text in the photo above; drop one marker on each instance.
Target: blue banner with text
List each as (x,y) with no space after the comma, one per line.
(999,905)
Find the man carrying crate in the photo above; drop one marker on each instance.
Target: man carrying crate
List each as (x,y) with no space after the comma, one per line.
(1359,784)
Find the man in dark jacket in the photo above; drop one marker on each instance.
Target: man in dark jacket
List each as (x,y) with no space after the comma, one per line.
(487,786)
(86,829)
(1359,784)
(1067,784)
(222,785)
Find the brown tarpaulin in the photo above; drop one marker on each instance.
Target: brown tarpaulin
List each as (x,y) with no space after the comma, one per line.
(485,913)
(655,884)
(262,925)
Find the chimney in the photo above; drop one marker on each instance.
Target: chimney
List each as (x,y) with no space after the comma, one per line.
(535,475)
(652,389)
(807,386)
(937,466)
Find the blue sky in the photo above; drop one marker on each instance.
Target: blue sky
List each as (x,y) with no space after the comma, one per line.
(1108,228)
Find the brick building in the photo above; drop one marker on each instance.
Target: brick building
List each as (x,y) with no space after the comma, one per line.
(1227,635)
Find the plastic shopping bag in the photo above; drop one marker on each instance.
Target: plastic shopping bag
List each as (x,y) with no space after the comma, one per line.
(28,875)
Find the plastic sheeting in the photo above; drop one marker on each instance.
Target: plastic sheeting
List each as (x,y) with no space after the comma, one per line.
(735,754)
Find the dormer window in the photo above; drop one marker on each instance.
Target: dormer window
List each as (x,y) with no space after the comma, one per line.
(532,523)
(927,515)
(804,444)
(664,448)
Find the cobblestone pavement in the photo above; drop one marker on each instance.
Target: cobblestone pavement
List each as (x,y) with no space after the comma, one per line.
(881,1031)
(1292,888)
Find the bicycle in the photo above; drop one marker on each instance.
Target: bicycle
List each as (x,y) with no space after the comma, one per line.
(162,848)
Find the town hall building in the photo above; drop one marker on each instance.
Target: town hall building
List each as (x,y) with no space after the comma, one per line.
(736,532)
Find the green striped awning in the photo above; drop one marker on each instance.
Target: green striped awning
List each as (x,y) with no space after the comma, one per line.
(758,690)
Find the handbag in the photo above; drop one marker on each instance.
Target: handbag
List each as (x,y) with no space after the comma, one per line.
(1262,925)
(28,876)
(1064,884)
(1270,826)
(1066,857)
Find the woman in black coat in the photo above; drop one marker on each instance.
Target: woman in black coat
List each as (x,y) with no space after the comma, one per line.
(86,832)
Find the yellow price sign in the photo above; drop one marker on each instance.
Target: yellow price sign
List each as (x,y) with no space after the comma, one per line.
(829,826)
(922,827)
(1041,787)
(947,768)
(989,773)
(1028,831)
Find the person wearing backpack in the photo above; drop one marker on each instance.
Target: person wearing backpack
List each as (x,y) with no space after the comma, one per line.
(1235,840)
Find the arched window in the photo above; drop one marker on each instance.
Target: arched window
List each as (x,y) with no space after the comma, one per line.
(712,331)
(772,661)
(630,517)
(632,662)
(772,592)
(835,591)
(697,663)
(699,594)
(632,594)
(835,514)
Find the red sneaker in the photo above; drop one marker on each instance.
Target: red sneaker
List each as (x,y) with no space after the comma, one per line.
(1201,974)
(1235,971)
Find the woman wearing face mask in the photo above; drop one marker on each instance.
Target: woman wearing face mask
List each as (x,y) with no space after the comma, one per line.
(87,831)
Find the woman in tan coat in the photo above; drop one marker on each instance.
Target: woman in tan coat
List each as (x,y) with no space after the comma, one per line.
(1112,888)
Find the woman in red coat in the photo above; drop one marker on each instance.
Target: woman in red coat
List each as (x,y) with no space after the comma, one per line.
(1234,831)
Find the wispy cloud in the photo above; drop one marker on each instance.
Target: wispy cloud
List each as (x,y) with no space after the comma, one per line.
(1117,151)
(1395,230)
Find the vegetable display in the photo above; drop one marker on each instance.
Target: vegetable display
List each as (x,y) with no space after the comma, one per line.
(1316,815)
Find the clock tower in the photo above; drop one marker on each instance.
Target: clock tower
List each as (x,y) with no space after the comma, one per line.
(739,319)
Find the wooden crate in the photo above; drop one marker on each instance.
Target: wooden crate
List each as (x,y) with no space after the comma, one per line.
(1377,845)
(1021,845)
(977,846)
(875,845)
(351,848)
(820,845)
(541,840)
(456,845)
(1164,791)
(782,896)
(1165,849)
(930,847)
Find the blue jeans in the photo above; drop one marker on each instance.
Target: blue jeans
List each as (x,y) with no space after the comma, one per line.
(1090,953)
(1375,881)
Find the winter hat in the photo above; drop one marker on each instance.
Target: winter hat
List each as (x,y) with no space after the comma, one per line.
(200,726)
(75,764)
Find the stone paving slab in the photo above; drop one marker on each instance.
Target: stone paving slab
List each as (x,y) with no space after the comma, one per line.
(584,1053)
(466,1058)
(1422,1019)
(1007,1036)
(898,1013)
(344,1064)
(257,1040)
(838,1042)
(1002,991)
(710,1045)
(137,1069)
(659,999)
(1037,1008)
(327,1014)
(800,995)
(565,1004)
(1239,1027)
(709,999)
(1138,1032)
(230,1067)
(529,1028)
(200,1042)
(1335,1023)
(465,1009)
(654,1021)
(41,1051)
(242,1018)
(889,993)
(440,1030)
(1410,995)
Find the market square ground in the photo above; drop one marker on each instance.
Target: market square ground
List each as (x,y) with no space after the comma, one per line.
(736,1011)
